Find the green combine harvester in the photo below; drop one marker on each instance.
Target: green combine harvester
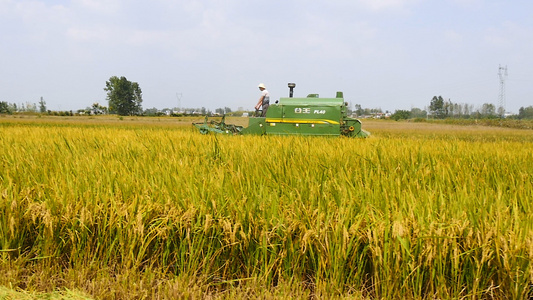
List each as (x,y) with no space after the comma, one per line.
(295,116)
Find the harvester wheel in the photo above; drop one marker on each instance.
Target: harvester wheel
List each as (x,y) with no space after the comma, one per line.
(351,128)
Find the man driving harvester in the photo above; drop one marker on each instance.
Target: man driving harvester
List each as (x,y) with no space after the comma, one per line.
(264,100)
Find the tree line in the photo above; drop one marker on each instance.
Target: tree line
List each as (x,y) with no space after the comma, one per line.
(446,109)
(125,99)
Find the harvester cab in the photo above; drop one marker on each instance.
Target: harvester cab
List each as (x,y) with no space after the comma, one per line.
(311,115)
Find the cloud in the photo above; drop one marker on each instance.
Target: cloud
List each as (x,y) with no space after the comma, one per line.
(32,13)
(31,22)
(101,6)
(452,37)
(470,4)
(5,6)
(509,33)
(92,34)
(149,38)
(379,5)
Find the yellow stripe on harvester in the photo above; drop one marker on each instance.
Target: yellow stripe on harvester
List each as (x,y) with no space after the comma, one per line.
(301,121)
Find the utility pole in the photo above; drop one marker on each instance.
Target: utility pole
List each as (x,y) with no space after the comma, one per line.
(502,73)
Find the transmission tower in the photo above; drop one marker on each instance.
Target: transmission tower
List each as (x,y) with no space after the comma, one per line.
(502,73)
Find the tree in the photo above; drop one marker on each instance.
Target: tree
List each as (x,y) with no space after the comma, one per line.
(418,113)
(42,106)
(124,96)
(401,115)
(525,112)
(30,107)
(359,110)
(436,107)
(488,110)
(501,111)
(448,108)
(97,109)
(4,108)
(152,112)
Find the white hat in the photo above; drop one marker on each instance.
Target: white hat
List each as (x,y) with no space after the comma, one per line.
(261,85)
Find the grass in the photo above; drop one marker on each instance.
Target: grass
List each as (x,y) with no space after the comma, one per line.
(66,294)
(152,209)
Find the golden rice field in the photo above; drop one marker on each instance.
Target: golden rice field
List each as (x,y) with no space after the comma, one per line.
(139,208)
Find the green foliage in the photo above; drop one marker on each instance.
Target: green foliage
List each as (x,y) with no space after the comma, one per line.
(42,106)
(152,112)
(360,111)
(418,113)
(97,109)
(488,110)
(4,108)
(525,112)
(226,110)
(436,107)
(401,115)
(124,96)
(61,113)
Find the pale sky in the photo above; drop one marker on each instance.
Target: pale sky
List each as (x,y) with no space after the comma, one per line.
(388,54)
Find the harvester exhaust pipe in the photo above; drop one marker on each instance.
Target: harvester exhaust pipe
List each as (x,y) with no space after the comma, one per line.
(291,88)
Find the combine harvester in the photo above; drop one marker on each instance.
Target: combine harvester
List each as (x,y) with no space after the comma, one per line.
(296,116)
